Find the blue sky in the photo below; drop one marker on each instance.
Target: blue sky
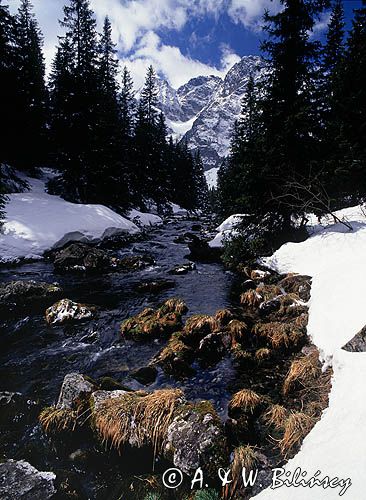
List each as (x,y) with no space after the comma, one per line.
(181,38)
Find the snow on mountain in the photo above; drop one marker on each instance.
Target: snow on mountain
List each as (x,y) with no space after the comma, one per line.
(204,109)
(211,131)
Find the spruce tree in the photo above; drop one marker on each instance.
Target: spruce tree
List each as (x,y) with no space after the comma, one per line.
(75,96)
(353,108)
(109,184)
(201,200)
(8,79)
(32,94)
(290,110)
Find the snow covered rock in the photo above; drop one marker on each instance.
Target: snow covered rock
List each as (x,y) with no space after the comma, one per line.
(226,230)
(37,221)
(66,310)
(74,389)
(142,219)
(19,480)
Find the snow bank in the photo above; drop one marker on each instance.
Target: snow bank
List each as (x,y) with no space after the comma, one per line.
(226,230)
(211,177)
(177,210)
(335,258)
(142,219)
(36,221)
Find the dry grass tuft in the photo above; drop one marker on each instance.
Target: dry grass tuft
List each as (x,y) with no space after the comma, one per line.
(262,354)
(237,330)
(251,298)
(138,420)
(150,323)
(303,371)
(223,316)
(280,335)
(174,305)
(200,324)
(244,456)
(246,400)
(269,292)
(297,426)
(54,420)
(276,416)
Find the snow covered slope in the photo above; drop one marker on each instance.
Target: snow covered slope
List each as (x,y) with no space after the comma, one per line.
(335,258)
(36,221)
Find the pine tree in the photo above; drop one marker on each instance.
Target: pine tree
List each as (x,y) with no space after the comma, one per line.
(32,94)
(75,77)
(8,79)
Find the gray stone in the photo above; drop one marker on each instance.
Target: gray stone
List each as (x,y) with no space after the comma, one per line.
(21,481)
(196,439)
(74,388)
(99,397)
(20,293)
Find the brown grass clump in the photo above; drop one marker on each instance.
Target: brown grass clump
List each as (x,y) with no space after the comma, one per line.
(251,298)
(173,305)
(244,456)
(276,416)
(223,316)
(241,355)
(176,357)
(279,335)
(246,400)
(150,323)
(237,330)
(269,292)
(303,371)
(200,325)
(302,320)
(54,420)
(262,354)
(297,426)
(137,420)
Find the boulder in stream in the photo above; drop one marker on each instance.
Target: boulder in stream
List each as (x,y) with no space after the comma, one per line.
(202,252)
(81,257)
(66,310)
(183,268)
(19,480)
(17,294)
(74,389)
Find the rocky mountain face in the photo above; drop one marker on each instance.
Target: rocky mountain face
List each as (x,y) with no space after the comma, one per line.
(204,110)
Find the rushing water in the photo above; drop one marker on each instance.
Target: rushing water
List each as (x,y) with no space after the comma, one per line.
(36,357)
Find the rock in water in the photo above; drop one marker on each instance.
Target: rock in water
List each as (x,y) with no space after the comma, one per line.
(202,252)
(74,389)
(183,269)
(19,480)
(81,257)
(23,293)
(66,310)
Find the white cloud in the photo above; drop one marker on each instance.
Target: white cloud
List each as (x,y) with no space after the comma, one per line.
(250,12)
(136,22)
(171,63)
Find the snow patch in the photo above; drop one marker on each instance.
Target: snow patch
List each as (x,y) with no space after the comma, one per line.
(144,219)
(36,221)
(226,230)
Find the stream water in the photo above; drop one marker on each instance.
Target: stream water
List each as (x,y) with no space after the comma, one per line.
(36,357)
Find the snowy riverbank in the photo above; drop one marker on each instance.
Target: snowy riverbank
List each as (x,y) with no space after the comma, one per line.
(37,221)
(335,258)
